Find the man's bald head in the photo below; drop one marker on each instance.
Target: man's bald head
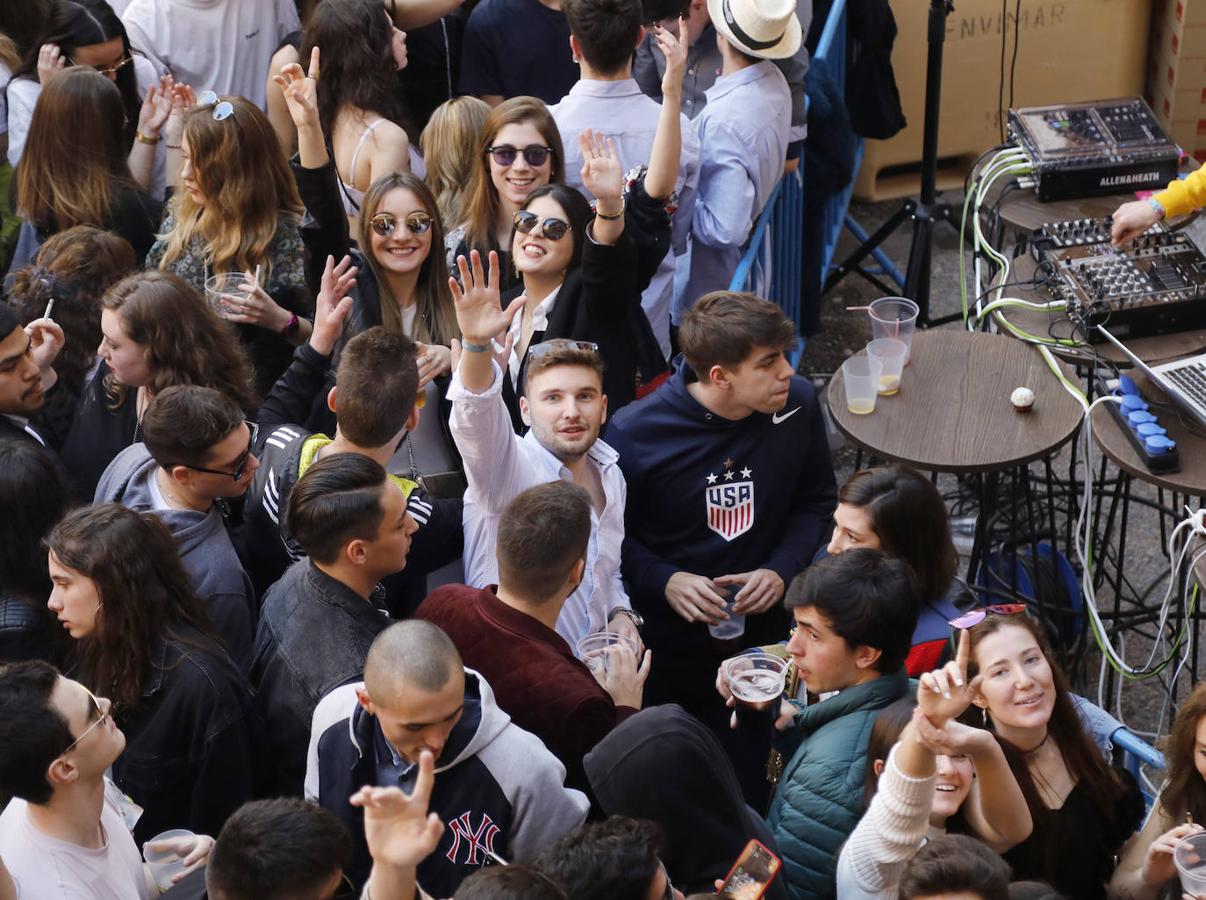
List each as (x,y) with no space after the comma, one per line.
(413,654)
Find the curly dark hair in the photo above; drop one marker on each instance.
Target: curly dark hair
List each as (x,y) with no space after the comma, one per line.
(185,340)
(75,267)
(358,67)
(132,560)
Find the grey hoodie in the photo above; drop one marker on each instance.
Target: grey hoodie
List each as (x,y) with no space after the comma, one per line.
(205,549)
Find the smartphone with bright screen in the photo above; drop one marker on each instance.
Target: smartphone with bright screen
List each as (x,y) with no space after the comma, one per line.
(753,872)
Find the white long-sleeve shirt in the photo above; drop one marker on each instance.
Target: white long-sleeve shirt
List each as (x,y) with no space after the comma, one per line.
(874,858)
(500,465)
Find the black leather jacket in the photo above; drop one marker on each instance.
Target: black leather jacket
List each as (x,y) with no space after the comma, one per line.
(26,631)
(313,636)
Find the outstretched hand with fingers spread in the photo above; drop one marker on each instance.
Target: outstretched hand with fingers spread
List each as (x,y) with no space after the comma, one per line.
(478,310)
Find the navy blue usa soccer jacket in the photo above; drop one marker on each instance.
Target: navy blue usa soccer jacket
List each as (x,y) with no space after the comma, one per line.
(712,497)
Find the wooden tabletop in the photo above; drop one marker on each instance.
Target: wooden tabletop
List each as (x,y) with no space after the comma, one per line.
(953,414)
(1191,445)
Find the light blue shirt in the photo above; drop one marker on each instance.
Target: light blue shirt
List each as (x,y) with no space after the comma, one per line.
(620,111)
(743,132)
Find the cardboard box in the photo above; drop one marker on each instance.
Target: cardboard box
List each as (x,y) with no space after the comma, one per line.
(1068,51)
(1176,80)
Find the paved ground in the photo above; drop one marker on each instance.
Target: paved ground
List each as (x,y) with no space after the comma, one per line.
(1141,703)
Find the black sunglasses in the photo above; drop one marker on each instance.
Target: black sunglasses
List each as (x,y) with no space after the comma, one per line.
(551,228)
(240,464)
(534,154)
(385,223)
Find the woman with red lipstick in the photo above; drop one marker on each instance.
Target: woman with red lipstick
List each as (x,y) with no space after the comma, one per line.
(142,639)
(1084,810)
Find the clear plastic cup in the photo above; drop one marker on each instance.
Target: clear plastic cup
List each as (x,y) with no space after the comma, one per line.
(894,317)
(223,293)
(861,375)
(1189,855)
(891,352)
(755,679)
(167,861)
(730,628)
(595,649)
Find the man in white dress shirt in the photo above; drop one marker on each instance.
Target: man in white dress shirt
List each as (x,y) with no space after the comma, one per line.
(562,401)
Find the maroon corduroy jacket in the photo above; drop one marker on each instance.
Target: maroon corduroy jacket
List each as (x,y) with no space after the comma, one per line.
(534,674)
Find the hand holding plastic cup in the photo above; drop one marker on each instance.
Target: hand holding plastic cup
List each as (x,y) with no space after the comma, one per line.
(596,648)
(894,317)
(1190,858)
(891,352)
(165,854)
(223,293)
(755,680)
(861,376)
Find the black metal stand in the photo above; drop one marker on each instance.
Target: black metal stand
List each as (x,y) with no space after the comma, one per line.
(923,212)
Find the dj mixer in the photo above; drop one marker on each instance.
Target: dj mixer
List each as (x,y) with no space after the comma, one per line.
(1156,284)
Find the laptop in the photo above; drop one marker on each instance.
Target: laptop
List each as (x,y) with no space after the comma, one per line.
(1184,380)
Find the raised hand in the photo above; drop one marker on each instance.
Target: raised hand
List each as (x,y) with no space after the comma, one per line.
(50,60)
(945,693)
(398,829)
(301,91)
(674,48)
(183,99)
(478,309)
(602,174)
(156,107)
(332,305)
(46,340)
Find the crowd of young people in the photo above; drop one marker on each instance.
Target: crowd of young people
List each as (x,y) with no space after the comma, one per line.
(310,565)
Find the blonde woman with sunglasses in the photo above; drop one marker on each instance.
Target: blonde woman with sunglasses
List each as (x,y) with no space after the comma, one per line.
(401,280)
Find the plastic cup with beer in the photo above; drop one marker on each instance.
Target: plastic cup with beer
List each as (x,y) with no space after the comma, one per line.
(755,680)
(891,352)
(861,376)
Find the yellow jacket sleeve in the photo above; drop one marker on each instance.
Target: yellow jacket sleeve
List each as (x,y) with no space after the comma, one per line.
(1181,197)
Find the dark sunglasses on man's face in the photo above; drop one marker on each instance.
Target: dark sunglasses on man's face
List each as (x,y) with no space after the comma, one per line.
(551,228)
(534,154)
(385,223)
(240,464)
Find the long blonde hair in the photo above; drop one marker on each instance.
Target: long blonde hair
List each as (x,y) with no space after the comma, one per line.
(482,212)
(435,316)
(448,143)
(241,170)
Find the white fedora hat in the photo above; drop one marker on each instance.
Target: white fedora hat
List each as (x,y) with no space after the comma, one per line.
(766,28)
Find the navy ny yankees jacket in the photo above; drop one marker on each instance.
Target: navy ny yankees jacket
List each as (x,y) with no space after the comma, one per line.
(497,788)
(712,497)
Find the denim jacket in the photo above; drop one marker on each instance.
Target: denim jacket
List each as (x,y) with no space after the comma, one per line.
(313,636)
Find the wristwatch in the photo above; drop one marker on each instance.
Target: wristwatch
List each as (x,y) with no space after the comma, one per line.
(636,618)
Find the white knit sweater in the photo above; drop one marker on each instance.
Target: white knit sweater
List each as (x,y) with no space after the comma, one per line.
(874,858)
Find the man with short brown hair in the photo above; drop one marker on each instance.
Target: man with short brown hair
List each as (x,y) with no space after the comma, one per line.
(730,491)
(563,403)
(505,631)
